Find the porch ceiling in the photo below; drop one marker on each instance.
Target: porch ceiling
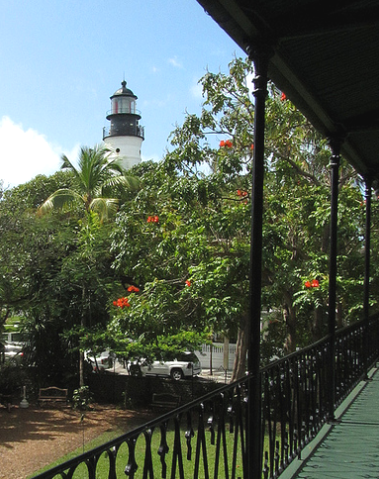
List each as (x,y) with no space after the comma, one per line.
(326,60)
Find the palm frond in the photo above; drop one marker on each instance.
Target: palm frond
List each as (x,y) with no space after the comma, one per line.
(126,181)
(67,164)
(105,207)
(59,199)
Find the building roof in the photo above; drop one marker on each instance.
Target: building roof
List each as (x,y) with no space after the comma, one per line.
(325,59)
(123,91)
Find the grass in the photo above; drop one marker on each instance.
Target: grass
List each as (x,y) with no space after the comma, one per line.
(98,441)
(102,469)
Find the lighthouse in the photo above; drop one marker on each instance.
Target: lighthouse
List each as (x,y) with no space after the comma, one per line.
(124,135)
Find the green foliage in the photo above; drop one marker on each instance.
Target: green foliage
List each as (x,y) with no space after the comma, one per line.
(82,399)
(181,239)
(12,379)
(201,194)
(93,181)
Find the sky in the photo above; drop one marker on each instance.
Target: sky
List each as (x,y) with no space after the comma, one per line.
(61,60)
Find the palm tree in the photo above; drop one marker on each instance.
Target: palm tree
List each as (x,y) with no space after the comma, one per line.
(95,178)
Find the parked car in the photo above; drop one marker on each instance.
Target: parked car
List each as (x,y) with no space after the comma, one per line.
(101,361)
(13,337)
(13,352)
(183,366)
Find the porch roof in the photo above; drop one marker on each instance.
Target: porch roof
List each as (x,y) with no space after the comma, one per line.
(325,59)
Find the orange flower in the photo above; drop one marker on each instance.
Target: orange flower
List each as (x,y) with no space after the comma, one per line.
(315,283)
(133,289)
(121,303)
(188,283)
(252,146)
(283,97)
(226,143)
(307,284)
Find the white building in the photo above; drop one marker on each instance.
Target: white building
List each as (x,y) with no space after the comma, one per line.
(124,135)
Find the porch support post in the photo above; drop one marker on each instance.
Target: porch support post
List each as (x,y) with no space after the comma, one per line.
(259,54)
(366,298)
(335,145)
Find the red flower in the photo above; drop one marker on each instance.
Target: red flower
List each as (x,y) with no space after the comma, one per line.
(152,219)
(188,283)
(307,284)
(156,219)
(252,147)
(226,143)
(149,219)
(133,289)
(283,97)
(121,303)
(315,283)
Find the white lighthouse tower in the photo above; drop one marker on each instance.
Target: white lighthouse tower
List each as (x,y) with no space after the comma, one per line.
(124,135)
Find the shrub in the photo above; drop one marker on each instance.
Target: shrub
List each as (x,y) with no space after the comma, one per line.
(82,398)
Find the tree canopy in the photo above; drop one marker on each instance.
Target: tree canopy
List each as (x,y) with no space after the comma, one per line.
(172,270)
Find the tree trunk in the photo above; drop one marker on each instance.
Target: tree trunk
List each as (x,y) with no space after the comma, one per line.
(81,353)
(291,322)
(239,367)
(319,326)
(81,368)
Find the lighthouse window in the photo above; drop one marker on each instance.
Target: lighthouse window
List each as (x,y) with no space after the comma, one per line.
(114,106)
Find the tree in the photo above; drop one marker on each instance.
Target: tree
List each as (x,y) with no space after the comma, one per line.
(94,180)
(200,195)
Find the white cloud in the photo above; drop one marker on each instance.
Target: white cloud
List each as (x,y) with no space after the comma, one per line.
(156,158)
(174,62)
(197,90)
(25,154)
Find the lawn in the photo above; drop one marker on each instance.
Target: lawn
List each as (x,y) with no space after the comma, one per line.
(220,457)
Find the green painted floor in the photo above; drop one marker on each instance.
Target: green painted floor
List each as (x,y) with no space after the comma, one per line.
(351,448)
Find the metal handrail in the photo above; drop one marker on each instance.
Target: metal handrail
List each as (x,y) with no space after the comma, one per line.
(128,131)
(293,404)
(124,111)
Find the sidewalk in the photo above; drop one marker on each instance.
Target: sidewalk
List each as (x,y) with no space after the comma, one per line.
(218,374)
(348,447)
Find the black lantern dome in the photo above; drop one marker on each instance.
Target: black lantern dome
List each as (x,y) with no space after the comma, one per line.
(124,116)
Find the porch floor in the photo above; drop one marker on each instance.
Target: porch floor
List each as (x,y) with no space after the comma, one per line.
(350,446)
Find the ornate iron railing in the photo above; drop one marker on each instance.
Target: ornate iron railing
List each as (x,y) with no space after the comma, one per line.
(207,437)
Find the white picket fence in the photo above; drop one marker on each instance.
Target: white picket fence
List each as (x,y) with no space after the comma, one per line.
(217,356)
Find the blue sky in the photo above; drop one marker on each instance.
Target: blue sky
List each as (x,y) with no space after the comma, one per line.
(61,60)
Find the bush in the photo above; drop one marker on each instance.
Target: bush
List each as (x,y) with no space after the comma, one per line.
(12,378)
(82,398)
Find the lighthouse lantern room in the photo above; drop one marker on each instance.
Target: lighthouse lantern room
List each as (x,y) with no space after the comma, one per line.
(124,135)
